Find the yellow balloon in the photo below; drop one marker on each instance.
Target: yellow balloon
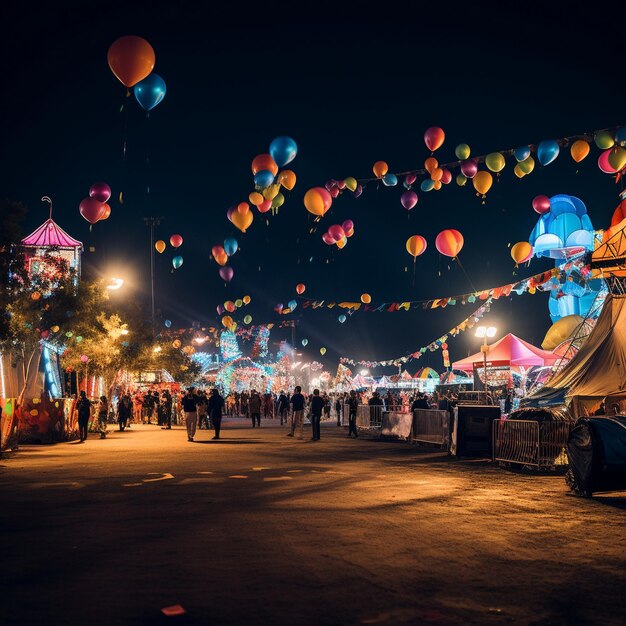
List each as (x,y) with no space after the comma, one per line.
(242,220)
(461,179)
(322,351)
(528,165)
(287,179)
(521,251)
(495,161)
(518,172)
(604,140)
(350,183)
(342,242)
(247,299)
(160,246)
(482,182)
(269,193)
(55,329)
(255,198)
(278,201)
(617,158)
(239,303)
(579,150)
(561,331)
(462,151)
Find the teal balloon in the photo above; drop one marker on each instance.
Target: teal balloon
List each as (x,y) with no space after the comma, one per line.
(427,185)
(342,319)
(263,179)
(177,261)
(292,304)
(283,150)
(521,154)
(230,246)
(547,151)
(390,180)
(150,91)
(305,342)
(168,323)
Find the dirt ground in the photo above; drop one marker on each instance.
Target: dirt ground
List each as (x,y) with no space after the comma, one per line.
(263,529)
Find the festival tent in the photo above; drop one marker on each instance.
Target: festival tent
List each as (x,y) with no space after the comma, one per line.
(597,370)
(454,377)
(509,351)
(425,373)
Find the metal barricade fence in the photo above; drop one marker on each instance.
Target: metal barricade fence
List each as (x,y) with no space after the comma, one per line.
(370,416)
(528,442)
(431,426)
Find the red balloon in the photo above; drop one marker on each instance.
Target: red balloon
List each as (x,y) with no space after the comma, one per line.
(541,204)
(434,138)
(410,179)
(449,242)
(91,209)
(603,162)
(348,228)
(336,232)
(446,177)
(217,252)
(334,192)
(327,239)
(300,288)
(264,162)
(131,59)
(106,211)
(176,241)
(265,206)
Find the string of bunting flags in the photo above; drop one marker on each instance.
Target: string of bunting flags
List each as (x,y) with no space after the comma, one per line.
(437,344)
(574,272)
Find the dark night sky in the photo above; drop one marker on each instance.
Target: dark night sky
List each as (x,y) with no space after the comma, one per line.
(351,87)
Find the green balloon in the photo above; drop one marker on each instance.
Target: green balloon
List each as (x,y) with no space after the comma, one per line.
(527,166)
(495,161)
(604,140)
(462,151)
(461,179)
(247,319)
(278,201)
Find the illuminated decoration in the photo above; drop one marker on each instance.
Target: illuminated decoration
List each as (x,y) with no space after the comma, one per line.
(229,346)
(51,239)
(2,383)
(207,362)
(115,283)
(260,348)
(242,374)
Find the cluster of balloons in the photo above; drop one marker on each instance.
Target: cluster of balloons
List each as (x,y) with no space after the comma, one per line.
(338,234)
(281,309)
(231,306)
(241,216)
(95,208)
(221,255)
(318,200)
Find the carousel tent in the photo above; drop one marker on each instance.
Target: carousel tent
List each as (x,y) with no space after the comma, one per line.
(509,351)
(597,370)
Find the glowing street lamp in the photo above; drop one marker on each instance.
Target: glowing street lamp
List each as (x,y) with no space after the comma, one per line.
(484,332)
(115,283)
(364,372)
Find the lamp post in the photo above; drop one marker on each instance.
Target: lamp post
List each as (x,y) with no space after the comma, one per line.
(482,332)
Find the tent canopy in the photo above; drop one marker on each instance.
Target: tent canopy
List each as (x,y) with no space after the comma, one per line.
(50,235)
(511,351)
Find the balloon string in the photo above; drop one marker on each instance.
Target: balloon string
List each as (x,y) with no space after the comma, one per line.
(147,154)
(124,145)
(469,280)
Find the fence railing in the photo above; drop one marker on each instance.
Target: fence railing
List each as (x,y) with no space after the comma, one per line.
(431,426)
(370,416)
(532,443)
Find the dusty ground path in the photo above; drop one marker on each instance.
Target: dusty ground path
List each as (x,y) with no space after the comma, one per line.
(263,529)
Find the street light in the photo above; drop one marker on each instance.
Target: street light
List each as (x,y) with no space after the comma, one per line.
(482,332)
(115,283)
(364,372)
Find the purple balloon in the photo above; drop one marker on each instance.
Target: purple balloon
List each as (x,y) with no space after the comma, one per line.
(348,225)
(469,168)
(100,191)
(408,199)
(220,309)
(410,179)
(229,213)
(336,232)
(226,273)
(358,191)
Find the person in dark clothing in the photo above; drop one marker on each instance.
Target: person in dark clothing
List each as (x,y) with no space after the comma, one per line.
(317,406)
(283,407)
(167,409)
(297,405)
(215,409)
(338,410)
(420,402)
(255,408)
(124,409)
(190,408)
(83,407)
(376,409)
(353,404)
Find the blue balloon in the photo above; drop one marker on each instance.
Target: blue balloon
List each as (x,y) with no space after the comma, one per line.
(521,154)
(230,246)
(283,150)
(620,136)
(547,151)
(342,319)
(168,323)
(177,261)
(390,180)
(263,179)
(292,304)
(305,342)
(427,185)
(150,91)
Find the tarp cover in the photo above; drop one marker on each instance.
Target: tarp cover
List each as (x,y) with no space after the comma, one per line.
(597,455)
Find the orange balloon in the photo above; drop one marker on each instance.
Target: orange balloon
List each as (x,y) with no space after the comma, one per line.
(436,174)
(242,220)
(160,246)
(264,162)
(366,298)
(521,252)
(416,245)
(437,185)
(300,288)
(131,59)
(482,182)
(243,208)
(106,211)
(430,164)
(380,168)
(287,179)
(449,242)
(579,150)
(222,259)
(342,243)
(317,201)
(255,198)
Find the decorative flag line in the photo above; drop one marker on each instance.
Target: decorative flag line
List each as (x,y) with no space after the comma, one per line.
(437,344)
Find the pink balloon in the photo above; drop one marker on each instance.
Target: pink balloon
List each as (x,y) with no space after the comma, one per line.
(327,239)
(341,184)
(469,168)
(84,358)
(336,232)
(410,179)
(446,176)
(100,191)
(226,273)
(541,204)
(334,191)
(265,206)
(358,191)
(217,251)
(176,241)
(219,309)
(347,225)
(408,200)
(91,209)
(603,162)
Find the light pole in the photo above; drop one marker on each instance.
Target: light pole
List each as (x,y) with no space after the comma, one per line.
(151,222)
(482,332)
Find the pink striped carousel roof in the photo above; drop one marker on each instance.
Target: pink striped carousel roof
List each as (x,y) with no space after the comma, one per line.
(50,234)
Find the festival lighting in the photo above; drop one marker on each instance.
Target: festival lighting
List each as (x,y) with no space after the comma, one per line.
(482,332)
(115,283)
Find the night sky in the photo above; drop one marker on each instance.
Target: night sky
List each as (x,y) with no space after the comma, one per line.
(351,87)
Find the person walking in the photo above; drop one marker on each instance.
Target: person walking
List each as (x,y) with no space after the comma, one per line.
(297,417)
(255,408)
(83,407)
(317,406)
(167,405)
(103,415)
(353,404)
(283,407)
(123,411)
(215,408)
(190,407)
(203,404)
(338,410)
